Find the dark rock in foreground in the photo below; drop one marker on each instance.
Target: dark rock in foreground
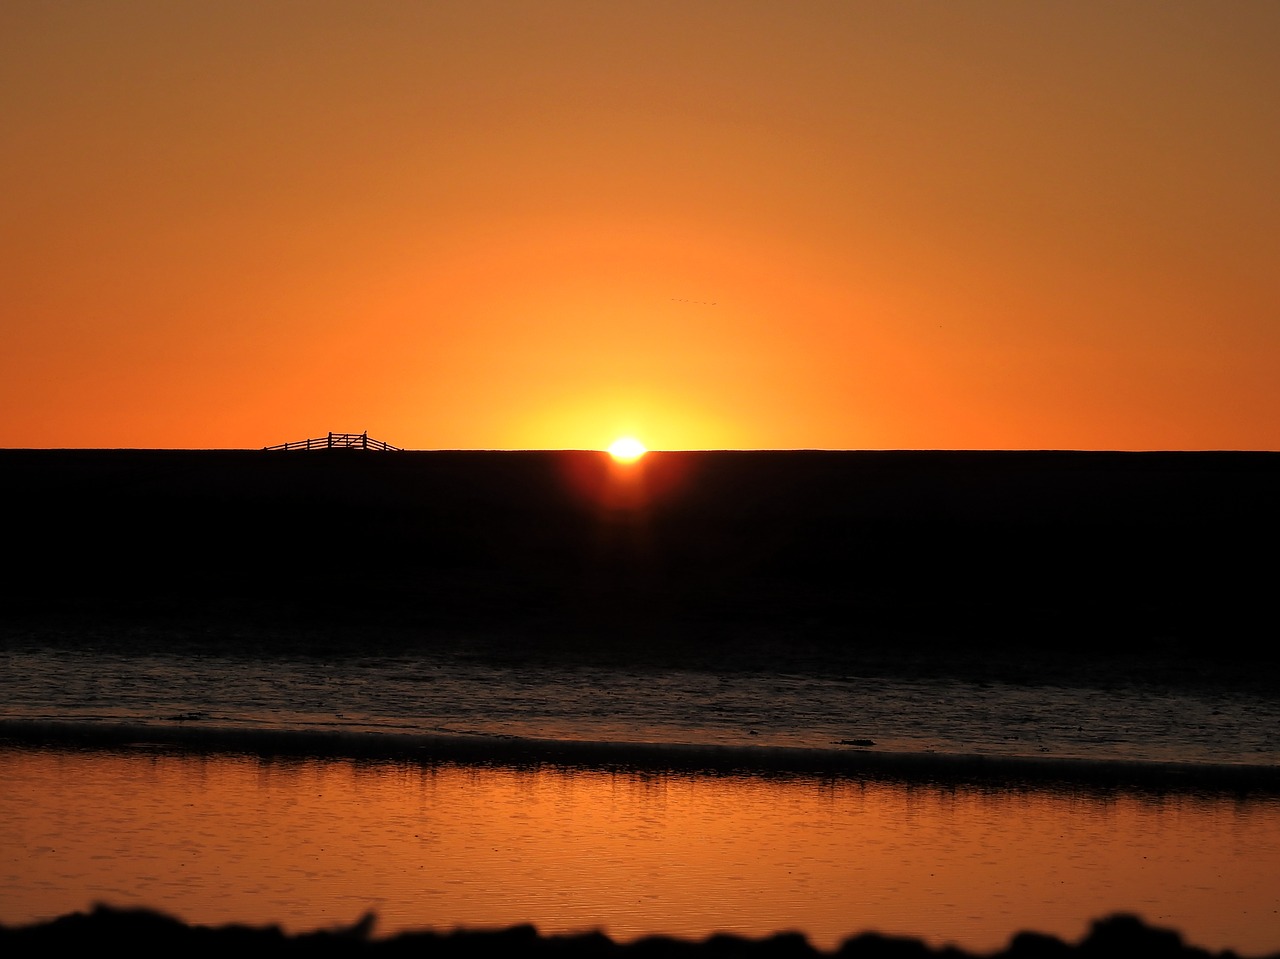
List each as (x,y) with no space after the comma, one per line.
(106,930)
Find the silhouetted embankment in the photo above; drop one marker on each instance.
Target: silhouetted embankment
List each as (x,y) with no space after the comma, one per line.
(131,932)
(1001,559)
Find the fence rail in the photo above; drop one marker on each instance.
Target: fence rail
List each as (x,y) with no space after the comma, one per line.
(336,441)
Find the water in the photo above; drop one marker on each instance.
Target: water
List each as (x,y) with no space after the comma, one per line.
(444,787)
(308,843)
(445,693)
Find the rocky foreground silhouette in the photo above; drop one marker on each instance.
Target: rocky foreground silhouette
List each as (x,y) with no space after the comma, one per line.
(105,930)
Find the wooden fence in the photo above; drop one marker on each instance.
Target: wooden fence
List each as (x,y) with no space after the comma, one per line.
(336,441)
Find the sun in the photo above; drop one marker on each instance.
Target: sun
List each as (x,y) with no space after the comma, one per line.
(627,449)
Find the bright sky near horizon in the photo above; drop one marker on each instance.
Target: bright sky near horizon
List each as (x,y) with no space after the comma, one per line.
(725,223)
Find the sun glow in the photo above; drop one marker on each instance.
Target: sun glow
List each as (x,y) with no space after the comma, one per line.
(627,449)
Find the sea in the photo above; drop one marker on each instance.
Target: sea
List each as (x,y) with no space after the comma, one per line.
(942,696)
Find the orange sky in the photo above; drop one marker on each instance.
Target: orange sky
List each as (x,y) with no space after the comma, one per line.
(712,224)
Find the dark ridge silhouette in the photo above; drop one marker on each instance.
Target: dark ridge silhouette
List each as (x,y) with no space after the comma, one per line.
(1151,565)
(106,930)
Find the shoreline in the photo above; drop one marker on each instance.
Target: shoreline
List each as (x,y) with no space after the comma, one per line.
(844,762)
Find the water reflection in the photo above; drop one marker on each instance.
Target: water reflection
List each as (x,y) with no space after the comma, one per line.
(305,844)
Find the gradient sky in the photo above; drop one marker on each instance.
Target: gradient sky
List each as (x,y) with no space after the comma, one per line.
(951,224)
